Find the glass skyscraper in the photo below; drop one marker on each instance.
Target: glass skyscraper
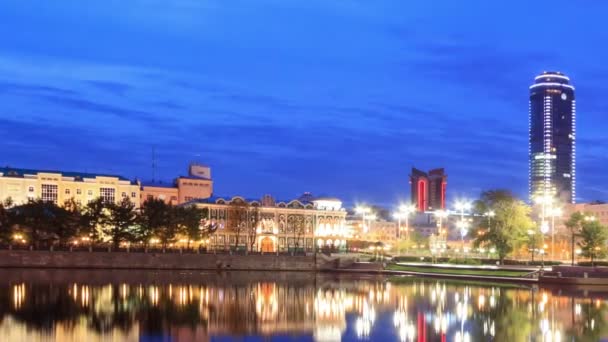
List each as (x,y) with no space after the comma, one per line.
(552,152)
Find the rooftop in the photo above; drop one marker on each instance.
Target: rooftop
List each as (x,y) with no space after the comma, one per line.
(18,172)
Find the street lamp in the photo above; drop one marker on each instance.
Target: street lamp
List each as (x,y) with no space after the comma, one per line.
(364,212)
(463,226)
(404,212)
(554,212)
(441,214)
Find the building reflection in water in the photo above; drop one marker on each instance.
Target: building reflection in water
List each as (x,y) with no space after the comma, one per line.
(329,310)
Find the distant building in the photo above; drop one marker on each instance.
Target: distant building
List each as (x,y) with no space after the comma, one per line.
(197,185)
(21,185)
(598,210)
(428,190)
(281,225)
(552,148)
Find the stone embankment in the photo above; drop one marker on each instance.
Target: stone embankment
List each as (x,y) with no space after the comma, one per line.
(162,261)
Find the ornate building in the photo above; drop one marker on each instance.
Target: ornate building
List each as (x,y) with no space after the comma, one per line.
(269,226)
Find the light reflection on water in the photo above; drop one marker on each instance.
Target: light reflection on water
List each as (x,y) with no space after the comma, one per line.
(135,306)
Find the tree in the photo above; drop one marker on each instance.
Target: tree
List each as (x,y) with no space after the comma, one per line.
(237,219)
(507,229)
(574,224)
(154,216)
(593,240)
(36,218)
(6,222)
(67,221)
(94,216)
(252,229)
(120,221)
(191,220)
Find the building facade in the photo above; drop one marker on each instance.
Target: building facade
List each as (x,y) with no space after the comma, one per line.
(271,226)
(428,190)
(552,149)
(22,185)
(197,185)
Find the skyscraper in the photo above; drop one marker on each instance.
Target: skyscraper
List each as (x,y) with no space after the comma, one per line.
(428,189)
(552,117)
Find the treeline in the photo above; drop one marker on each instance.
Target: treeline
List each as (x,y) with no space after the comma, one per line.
(40,223)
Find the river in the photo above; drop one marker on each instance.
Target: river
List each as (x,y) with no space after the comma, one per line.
(81,305)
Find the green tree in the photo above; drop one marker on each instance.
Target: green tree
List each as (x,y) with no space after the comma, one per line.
(66,221)
(36,220)
(94,216)
(593,240)
(153,219)
(194,226)
(6,222)
(507,229)
(121,221)
(574,225)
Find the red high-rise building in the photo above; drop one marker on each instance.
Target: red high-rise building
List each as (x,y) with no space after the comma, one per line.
(428,189)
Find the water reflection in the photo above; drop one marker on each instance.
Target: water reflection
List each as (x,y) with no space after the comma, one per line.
(320,309)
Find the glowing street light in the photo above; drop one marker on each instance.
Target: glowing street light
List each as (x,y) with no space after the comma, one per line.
(405,210)
(554,212)
(366,213)
(441,214)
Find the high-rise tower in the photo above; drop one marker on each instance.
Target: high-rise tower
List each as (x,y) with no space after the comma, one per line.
(428,189)
(552,150)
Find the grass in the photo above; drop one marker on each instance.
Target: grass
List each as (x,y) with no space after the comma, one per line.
(455,282)
(421,269)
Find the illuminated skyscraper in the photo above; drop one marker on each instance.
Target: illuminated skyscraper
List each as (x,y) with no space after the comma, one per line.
(552,150)
(428,189)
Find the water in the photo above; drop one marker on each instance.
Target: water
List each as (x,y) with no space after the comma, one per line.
(56,305)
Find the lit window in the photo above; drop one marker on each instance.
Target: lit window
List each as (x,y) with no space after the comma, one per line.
(108,195)
(49,193)
(78,191)
(90,192)
(161,196)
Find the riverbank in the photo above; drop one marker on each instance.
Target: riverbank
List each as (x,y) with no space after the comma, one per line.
(159,261)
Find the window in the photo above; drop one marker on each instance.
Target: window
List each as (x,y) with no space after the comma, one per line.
(149,198)
(90,192)
(67,191)
(188,198)
(30,189)
(124,194)
(173,198)
(108,195)
(78,192)
(49,193)
(161,197)
(79,202)
(133,194)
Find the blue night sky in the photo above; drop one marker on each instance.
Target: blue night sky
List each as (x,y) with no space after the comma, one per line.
(336,97)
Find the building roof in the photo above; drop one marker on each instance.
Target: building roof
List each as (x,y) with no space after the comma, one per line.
(157,185)
(18,172)
(194,177)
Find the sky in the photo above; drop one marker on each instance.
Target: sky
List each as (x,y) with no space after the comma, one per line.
(338,98)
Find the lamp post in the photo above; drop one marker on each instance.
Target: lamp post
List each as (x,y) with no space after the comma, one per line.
(544,228)
(363,211)
(404,212)
(555,212)
(463,206)
(463,231)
